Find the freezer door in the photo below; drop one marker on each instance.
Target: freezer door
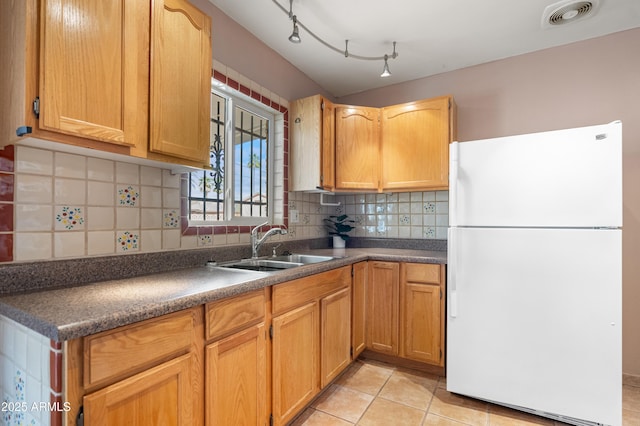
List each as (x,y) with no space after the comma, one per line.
(534,319)
(566,178)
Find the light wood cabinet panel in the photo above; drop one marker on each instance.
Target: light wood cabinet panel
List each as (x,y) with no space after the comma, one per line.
(93,82)
(357,148)
(335,334)
(415,144)
(295,351)
(382,307)
(312,144)
(180,80)
(161,395)
(236,379)
(358,312)
(422,294)
(123,351)
(226,316)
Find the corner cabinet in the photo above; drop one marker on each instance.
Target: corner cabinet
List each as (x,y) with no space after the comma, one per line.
(405,311)
(415,144)
(104,86)
(312,144)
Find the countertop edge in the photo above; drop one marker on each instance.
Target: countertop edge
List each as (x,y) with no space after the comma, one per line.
(17,308)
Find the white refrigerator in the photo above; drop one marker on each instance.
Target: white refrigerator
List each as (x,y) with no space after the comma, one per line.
(534,279)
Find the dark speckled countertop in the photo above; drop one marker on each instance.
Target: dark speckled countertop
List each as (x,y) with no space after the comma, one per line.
(72,312)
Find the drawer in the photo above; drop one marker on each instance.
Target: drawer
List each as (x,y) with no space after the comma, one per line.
(229,315)
(294,293)
(124,351)
(422,273)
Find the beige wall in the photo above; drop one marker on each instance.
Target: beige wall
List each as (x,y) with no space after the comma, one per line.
(591,82)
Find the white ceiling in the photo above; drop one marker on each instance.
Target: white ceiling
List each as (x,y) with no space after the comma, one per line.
(433,36)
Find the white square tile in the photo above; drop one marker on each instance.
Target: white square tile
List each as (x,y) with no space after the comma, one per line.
(33,246)
(68,244)
(33,189)
(99,169)
(127,173)
(150,196)
(441,232)
(70,191)
(429,196)
(127,218)
(170,198)
(70,165)
(171,180)
(33,217)
(100,193)
(151,218)
(150,176)
(442,207)
(442,195)
(151,241)
(33,387)
(34,354)
(100,218)
(100,242)
(171,239)
(20,349)
(34,161)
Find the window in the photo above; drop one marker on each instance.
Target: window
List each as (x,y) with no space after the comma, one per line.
(239,187)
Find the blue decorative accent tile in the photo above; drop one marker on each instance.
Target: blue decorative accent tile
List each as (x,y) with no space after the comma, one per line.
(18,381)
(205,240)
(70,217)
(430,207)
(171,219)
(128,241)
(128,196)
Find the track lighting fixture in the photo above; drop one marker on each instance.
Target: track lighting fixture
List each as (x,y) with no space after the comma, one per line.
(295,35)
(295,38)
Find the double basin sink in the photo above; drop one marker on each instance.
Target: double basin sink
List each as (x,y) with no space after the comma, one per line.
(275,263)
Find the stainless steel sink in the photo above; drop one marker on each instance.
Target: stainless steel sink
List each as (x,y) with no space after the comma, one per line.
(275,263)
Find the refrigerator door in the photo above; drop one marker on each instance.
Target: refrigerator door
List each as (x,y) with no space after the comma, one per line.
(534,319)
(565,178)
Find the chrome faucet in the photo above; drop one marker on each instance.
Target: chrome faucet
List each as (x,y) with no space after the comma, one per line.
(257,242)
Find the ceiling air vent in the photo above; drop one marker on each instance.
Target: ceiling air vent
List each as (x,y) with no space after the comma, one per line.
(567,11)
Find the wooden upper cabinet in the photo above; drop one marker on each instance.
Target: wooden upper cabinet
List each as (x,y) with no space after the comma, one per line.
(415,144)
(180,80)
(312,144)
(93,78)
(357,147)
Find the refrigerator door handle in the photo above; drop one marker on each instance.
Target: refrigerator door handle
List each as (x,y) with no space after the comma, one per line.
(453,183)
(452,268)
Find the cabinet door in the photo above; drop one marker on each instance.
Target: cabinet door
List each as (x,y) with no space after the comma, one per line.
(236,379)
(295,352)
(357,147)
(415,145)
(383,307)
(358,318)
(335,334)
(422,312)
(422,322)
(161,395)
(312,144)
(180,80)
(94,78)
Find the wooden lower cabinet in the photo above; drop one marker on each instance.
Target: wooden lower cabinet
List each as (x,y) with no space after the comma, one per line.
(383,307)
(295,361)
(160,395)
(358,311)
(311,338)
(335,334)
(236,379)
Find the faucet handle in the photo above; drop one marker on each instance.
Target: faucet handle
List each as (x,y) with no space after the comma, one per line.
(274,250)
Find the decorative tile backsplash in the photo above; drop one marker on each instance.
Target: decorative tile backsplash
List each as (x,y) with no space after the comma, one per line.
(69,205)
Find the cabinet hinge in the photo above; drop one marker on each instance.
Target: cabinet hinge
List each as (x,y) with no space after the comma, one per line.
(271,419)
(36,107)
(80,417)
(271,331)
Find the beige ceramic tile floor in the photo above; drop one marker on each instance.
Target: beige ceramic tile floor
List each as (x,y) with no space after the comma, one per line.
(372,393)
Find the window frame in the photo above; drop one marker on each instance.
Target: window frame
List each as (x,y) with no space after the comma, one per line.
(235,99)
